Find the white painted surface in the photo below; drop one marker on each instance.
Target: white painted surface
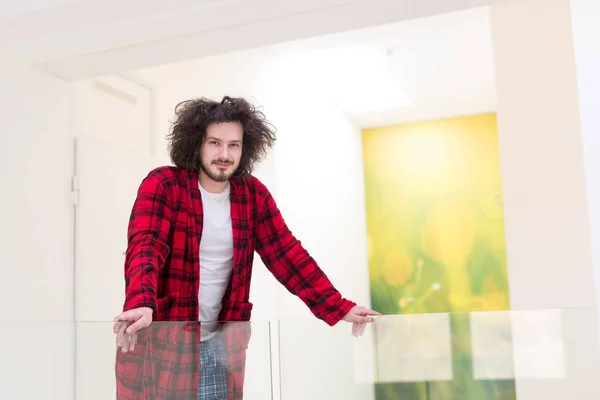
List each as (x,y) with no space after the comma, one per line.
(36,235)
(545,196)
(86,40)
(115,111)
(16,10)
(584,15)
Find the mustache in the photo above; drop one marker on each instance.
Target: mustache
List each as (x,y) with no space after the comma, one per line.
(230,162)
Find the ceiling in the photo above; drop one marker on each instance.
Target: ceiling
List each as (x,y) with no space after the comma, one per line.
(77,39)
(439,54)
(443,64)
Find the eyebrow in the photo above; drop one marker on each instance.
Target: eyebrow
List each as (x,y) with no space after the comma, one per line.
(219,140)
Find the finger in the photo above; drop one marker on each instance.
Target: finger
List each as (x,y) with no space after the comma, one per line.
(117,325)
(137,325)
(354,329)
(125,345)
(363,327)
(362,319)
(121,334)
(369,312)
(128,341)
(127,316)
(357,328)
(132,341)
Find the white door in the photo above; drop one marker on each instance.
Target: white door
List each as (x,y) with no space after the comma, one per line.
(108,180)
(113,154)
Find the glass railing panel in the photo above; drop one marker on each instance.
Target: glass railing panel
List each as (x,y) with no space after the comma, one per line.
(65,360)
(496,355)
(37,360)
(322,362)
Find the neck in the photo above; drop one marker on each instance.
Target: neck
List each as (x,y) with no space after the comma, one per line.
(210,185)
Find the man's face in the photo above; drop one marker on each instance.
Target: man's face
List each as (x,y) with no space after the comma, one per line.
(222,150)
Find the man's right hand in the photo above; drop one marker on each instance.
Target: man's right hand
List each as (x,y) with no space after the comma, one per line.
(128,323)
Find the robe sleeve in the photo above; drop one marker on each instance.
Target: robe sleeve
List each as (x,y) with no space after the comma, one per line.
(147,238)
(293,266)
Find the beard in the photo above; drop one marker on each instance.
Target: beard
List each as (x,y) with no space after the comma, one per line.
(220,175)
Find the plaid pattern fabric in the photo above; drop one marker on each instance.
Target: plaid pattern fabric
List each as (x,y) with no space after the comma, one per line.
(213,376)
(162,272)
(170,362)
(163,365)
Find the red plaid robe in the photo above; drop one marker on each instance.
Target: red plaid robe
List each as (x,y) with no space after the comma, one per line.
(162,272)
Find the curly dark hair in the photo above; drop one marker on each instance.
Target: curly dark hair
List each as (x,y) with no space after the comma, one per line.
(192,117)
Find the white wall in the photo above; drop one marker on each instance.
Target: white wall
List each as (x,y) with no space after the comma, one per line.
(584,15)
(545,194)
(320,191)
(316,176)
(36,235)
(542,156)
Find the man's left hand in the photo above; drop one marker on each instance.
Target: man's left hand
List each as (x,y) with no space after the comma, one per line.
(360,317)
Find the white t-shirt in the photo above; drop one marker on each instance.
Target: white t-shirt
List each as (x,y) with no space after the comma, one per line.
(216,257)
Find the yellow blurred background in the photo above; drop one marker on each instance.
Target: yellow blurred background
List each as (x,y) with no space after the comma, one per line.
(436,234)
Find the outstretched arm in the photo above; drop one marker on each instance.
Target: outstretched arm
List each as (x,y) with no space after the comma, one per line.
(291,264)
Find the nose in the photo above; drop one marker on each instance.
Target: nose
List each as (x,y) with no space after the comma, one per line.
(224,152)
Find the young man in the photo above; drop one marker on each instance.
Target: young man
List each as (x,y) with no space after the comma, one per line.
(192,235)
